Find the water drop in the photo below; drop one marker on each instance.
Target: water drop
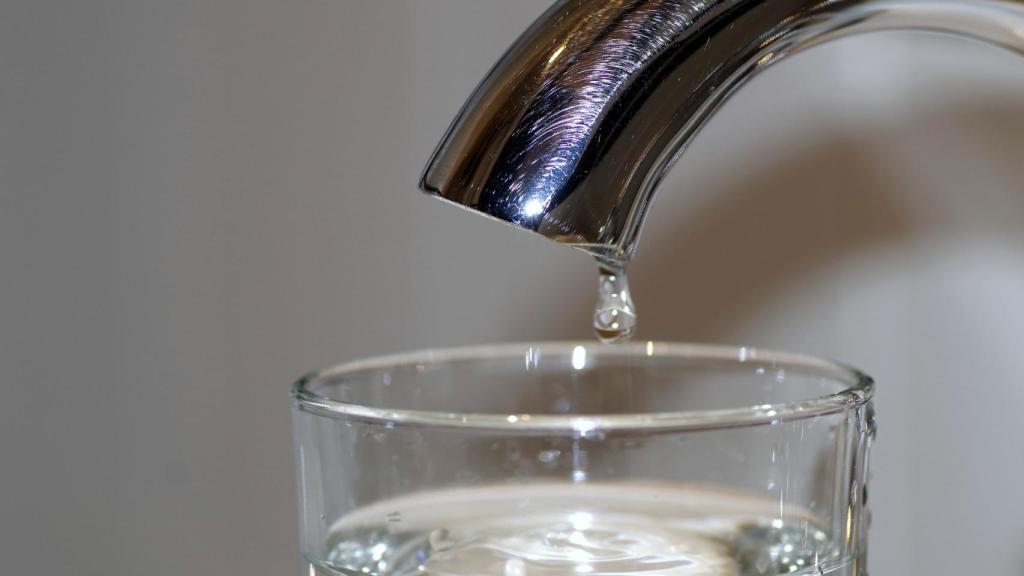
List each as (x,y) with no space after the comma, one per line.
(614,313)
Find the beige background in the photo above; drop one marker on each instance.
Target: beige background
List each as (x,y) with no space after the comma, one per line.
(200,201)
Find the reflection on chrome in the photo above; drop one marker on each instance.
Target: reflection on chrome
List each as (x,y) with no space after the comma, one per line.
(571,141)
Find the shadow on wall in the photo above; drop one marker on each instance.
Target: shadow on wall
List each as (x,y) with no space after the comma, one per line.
(765,234)
(759,236)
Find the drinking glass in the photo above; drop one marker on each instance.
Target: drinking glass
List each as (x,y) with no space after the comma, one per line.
(580,458)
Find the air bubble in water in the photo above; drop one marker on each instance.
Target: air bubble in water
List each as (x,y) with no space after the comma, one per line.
(549,456)
(441,540)
(515,567)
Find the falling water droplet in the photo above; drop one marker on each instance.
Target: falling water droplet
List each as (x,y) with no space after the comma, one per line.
(614,314)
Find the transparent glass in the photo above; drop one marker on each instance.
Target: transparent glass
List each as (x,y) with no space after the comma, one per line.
(563,458)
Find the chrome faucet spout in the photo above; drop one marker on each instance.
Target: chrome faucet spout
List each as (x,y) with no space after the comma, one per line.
(571,132)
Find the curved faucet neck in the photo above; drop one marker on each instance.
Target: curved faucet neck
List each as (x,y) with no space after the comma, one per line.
(571,132)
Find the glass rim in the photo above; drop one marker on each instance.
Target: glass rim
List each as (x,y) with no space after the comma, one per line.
(859,391)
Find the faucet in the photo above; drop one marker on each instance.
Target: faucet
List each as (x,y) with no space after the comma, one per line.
(571,132)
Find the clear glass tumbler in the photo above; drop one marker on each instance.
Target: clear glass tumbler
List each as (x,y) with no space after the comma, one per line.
(562,458)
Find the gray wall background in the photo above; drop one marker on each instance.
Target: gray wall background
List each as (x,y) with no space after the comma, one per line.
(200,201)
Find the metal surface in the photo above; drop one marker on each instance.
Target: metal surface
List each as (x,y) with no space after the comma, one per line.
(570,133)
